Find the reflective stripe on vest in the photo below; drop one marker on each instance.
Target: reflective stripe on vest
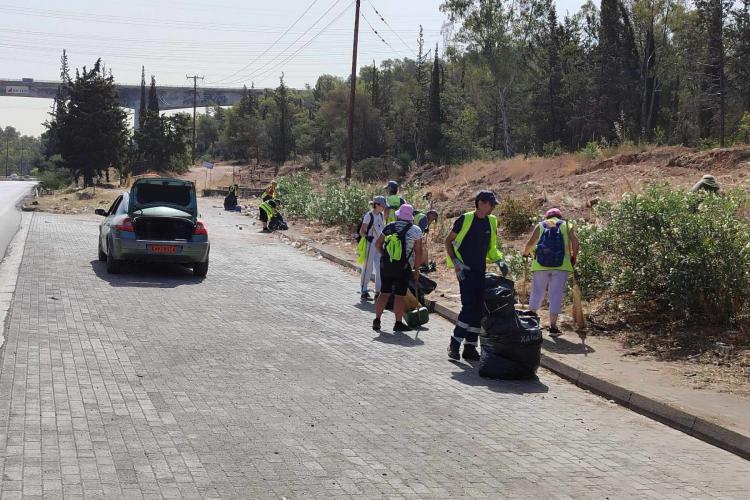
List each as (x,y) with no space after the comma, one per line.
(567,264)
(493,254)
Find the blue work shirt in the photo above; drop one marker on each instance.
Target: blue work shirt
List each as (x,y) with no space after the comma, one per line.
(474,246)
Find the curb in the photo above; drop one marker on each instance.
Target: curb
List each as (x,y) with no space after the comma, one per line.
(9,266)
(667,414)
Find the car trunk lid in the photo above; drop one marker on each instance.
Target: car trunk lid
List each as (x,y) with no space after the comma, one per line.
(176,194)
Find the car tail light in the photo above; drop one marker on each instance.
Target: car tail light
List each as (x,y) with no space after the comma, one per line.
(200,229)
(126,225)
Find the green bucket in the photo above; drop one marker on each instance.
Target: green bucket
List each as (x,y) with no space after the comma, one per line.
(417,317)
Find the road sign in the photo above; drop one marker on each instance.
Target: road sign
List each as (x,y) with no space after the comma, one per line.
(16,90)
(208,165)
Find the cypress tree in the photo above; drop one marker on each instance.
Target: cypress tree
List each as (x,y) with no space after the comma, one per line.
(142,104)
(434,134)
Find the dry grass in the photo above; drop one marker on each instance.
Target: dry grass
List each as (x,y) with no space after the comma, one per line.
(74,200)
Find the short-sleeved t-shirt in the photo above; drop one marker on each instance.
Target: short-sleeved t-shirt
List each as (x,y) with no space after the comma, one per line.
(412,235)
(474,246)
(377,224)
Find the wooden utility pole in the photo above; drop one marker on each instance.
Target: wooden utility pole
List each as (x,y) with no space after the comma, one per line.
(195,102)
(350,125)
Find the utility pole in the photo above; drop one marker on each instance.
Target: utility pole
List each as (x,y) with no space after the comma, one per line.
(350,125)
(195,102)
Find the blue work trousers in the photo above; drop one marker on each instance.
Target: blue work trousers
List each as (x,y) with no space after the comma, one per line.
(469,321)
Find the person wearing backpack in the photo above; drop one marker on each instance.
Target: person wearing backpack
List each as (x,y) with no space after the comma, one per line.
(554,246)
(370,228)
(470,246)
(400,248)
(393,201)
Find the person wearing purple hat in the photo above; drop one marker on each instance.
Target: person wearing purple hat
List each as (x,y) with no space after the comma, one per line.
(400,248)
(470,245)
(554,246)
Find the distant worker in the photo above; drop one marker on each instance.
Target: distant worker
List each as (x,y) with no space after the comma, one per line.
(471,244)
(230,200)
(554,246)
(424,221)
(400,248)
(267,211)
(370,230)
(271,192)
(708,184)
(393,200)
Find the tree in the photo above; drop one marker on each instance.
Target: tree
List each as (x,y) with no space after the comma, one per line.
(419,101)
(435,118)
(282,140)
(711,16)
(142,103)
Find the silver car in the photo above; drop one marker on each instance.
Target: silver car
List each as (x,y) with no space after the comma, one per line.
(157,221)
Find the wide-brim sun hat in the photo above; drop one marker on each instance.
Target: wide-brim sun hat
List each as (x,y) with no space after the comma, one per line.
(406,212)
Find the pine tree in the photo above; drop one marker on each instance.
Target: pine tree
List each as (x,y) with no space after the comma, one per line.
(153,98)
(142,103)
(435,119)
(711,16)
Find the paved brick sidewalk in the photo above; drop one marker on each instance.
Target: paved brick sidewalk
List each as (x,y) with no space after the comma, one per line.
(265,381)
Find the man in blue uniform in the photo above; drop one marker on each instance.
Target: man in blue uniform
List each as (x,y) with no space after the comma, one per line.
(470,245)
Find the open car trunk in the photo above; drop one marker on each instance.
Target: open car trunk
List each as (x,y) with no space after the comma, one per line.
(163,228)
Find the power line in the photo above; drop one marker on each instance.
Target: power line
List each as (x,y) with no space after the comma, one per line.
(389,26)
(266,72)
(269,47)
(376,33)
(255,72)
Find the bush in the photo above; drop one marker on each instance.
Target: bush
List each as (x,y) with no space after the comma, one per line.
(517,214)
(55,179)
(591,151)
(377,169)
(338,204)
(295,192)
(554,148)
(707,143)
(671,251)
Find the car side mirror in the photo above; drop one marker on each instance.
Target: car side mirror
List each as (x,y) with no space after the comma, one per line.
(101,211)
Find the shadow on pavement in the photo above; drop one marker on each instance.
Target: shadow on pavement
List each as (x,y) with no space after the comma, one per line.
(562,345)
(138,275)
(470,376)
(398,339)
(365,306)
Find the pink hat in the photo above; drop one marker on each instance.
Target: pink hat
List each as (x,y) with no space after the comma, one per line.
(552,212)
(406,212)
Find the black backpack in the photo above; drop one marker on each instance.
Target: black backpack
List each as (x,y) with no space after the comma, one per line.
(358,236)
(398,266)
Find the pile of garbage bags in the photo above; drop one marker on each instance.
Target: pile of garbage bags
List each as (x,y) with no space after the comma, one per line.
(511,340)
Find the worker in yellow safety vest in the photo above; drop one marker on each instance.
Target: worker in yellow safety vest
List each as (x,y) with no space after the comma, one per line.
(471,244)
(267,209)
(393,201)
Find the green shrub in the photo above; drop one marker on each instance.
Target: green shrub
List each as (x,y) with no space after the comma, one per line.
(338,204)
(707,143)
(554,148)
(295,192)
(377,169)
(55,179)
(591,151)
(672,251)
(517,214)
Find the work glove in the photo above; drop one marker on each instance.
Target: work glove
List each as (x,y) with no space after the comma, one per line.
(370,238)
(461,269)
(503,267)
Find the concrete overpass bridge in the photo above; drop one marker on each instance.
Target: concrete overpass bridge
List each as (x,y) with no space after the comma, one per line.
(170,97)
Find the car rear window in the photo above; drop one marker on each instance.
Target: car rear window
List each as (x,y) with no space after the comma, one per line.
(164,193)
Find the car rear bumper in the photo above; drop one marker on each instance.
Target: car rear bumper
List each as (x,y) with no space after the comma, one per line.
(142,250)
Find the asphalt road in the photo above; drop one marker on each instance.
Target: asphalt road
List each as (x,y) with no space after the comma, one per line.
(11,192)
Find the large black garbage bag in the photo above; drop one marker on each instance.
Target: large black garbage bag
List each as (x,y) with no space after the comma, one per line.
(499,295)
(277,223)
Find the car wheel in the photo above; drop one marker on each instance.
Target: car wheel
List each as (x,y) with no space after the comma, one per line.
(102,255)
(200,269)
(113,265)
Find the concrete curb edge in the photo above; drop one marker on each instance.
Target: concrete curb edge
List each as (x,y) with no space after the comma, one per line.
(667,414)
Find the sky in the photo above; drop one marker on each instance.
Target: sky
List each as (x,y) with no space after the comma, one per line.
(230,42)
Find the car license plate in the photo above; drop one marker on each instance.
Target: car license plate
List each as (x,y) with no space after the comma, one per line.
(163,249)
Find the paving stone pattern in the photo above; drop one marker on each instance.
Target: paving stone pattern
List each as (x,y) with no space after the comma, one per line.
(265,381)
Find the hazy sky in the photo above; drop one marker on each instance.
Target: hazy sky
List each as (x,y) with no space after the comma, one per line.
(231,42)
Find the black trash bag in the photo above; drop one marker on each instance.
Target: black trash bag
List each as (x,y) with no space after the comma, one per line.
(277,223)
(499,296)
(230,201)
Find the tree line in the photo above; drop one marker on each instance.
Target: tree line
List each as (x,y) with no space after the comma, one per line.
(515,78)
